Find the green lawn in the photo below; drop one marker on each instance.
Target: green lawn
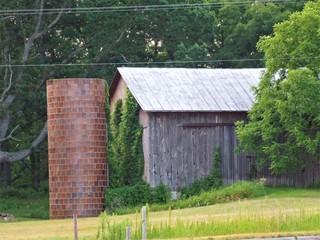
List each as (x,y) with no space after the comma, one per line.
(282,212)
(24,204)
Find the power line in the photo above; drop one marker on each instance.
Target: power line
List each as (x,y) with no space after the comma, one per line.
(150,63)
(134,8)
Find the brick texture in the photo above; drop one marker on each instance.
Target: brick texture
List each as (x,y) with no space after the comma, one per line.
(77,146)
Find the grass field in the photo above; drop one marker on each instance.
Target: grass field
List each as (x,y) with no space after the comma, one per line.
(282,212)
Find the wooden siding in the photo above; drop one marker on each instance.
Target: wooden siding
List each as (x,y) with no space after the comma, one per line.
(119,93)
(179,152)
(302,178)
(178,149)
(144,121)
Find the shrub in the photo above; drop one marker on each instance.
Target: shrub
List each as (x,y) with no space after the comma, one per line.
(20,193)
(136,195)
(127,196)
(161,194)
(237,191)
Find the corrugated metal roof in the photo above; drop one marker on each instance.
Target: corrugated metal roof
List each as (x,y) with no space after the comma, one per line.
(191,90)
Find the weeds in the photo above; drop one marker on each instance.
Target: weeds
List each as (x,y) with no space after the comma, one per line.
(239,223)
(111,231)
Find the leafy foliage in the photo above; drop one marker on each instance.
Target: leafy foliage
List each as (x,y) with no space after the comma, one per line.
(161,194)
(114,146)
(240,28)
(217,172)
(129,135)
(195,36)
(126,158)
(284,124)
(135,195)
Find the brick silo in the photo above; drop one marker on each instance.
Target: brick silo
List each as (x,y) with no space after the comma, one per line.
(77,146)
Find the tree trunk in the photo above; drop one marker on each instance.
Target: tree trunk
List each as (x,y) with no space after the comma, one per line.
(1,173)
(7,174)
(35,168)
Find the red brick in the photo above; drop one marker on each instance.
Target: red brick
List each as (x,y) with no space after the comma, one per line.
(76,145)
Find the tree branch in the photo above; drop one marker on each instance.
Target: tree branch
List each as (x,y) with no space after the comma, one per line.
(16,156)
(118,40)
(4,126)
(42,135)
(36,34)
(2,140)
(37,27)
(70,57)
(54,22)
(7,89)
(6,101)
(28,45)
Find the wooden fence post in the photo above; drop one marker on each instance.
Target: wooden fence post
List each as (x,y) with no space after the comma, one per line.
(75,226)
(128,233)
(144,222)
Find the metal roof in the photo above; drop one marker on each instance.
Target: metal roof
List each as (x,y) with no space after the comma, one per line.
(190,90)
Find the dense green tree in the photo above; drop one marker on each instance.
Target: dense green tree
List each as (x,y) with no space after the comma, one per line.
(240,28)
(202,34)
(145,36)
(284,123)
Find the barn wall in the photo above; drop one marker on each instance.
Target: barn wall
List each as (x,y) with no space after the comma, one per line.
(180,150)
(144,121)
(119,93)
(300,178)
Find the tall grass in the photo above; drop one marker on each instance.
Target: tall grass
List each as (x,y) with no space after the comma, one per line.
(239,223)
(111,231)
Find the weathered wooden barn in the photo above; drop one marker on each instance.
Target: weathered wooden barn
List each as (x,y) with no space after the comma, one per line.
(186,114)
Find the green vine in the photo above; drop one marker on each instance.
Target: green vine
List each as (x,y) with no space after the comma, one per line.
(115,152)
(126,156)
(216,173)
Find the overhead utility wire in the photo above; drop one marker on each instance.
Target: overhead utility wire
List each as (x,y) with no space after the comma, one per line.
(132,8)
(148,63)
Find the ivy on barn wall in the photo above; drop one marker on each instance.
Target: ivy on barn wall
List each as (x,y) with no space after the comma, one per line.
(114,164)
(217,171)
(126,162)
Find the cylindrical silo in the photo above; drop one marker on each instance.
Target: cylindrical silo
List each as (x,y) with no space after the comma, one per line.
(77,146)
